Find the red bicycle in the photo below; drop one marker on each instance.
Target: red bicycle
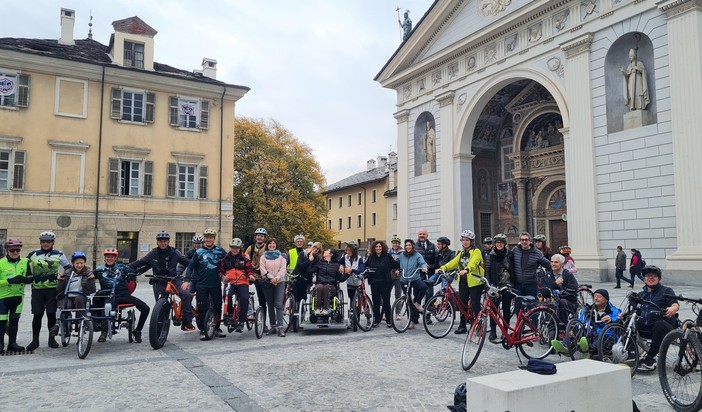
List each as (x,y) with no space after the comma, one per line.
(442,308)
(532,334)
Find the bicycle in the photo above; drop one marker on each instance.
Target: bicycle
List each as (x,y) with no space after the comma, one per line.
(115,316)
(290,314)
(403,307)
(362,305)
(442,307)
(580,327)
(231,321)
(531,334)
(68,321)
(679,369)
(585,296)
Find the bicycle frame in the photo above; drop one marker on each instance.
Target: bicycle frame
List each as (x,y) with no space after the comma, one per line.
(453,296)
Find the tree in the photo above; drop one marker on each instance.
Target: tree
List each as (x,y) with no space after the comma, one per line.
(276,185)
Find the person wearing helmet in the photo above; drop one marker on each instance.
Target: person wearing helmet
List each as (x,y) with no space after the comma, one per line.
(470,262)
(254,252)
(652,322)
(204,269)
(198,240)
(107,275)
(14,274)
(293,253)
(540,243)
(487,247)
(168,261)
(524,260)
(83,281)
(395,251)
(497,271)
(444,255)
(569,262)
(46,262)
(352,263)
(235,270)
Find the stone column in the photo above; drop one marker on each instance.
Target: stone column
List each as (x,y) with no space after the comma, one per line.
(579,153)
(463,166)
(685,65)
(402,173)
(448,210)
(522,203)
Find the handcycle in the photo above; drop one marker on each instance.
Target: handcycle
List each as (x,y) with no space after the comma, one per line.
(403,307)
(679,369)
(75,322)
(361,313)
(583,326)
(532,334)
(114,316)
(442,308)
(251,319)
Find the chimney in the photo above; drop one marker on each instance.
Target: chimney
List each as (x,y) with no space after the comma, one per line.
(209,68)
(371,164)
(68,19)
(382,161)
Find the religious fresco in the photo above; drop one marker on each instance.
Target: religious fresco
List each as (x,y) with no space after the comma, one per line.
(507,200)
(543,132)
(424,144)
(558,199)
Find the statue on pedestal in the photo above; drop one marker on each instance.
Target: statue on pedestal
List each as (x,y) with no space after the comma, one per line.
(635,85)
(430,144)
(406,26)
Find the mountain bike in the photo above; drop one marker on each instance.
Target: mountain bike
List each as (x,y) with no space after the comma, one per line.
(442,308)
(362,306)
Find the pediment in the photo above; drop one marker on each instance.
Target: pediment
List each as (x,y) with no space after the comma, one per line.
(134,25)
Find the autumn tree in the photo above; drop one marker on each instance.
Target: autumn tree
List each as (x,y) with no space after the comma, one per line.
(276,182)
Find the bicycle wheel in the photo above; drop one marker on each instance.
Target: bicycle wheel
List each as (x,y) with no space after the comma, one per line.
(679,370)
(585,297)
(618,344)
(131,320)
(288,312)
(85,337)
(260,322)
(363,311)
(65,328)
(160,323)
(402,315)
(574,331)
(251,320)
(210,324)
(474,342)
(442,317)
(539,328)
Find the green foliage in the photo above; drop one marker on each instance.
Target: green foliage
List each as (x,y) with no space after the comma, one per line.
(276,185)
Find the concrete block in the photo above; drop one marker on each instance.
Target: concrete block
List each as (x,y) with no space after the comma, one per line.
(583,385)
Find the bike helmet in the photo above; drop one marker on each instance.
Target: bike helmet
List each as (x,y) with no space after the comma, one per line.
(48,235)
(487,240)
(395,238)
(564,250)
(162,235)
(78,255)
(110,251)
(651,269)
(209,232)
(298,237)
(12,243)
(261,231)
(500,237)
(443,239)
(236,242)
(460,394)
(540,238)
(469,234)
(352,244)
(198,239)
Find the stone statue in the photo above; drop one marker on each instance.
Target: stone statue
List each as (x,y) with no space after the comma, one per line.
(430,144)
(635,85)
(406,26)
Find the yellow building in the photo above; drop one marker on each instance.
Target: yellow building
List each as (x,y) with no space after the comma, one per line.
(363,207)
(106,147)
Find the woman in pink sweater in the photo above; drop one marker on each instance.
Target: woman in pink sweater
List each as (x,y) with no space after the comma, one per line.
(273,268)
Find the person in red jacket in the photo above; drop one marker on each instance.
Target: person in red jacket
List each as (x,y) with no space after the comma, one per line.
(235,269)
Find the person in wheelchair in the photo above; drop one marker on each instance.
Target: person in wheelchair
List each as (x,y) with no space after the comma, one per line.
(235,269)
(106,276)
(562,280)
(328,278)
(306,267)
(79,286)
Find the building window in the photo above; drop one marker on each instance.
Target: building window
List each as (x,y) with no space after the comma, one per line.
(373,196)
(130,177)
(189,113)
(340,224)
(348,222)
(187,181)
(394,211)
(183,241)
(485,225)
(360,198)
(360,221)
(507,163)
(133,55)
(329,225)
(12,169)
(341,202)
(14,89)
(133,105)
(349,200)
(373,216)
(329,203)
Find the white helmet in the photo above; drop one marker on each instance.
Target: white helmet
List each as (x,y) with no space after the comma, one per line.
(299,237)
(469,234)
(48,235)
(260,231)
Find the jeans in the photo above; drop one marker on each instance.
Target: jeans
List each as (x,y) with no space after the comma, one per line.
(274,296)
(208,297)
(420,290)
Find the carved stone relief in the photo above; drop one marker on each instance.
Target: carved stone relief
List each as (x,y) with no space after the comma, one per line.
(407,91)
(490,54)
(511,44)
(420,85)
(535,33)
(436,77)
(556,65)
(560,21)
(491,8)
(453,70)
(470,63)
(588,8)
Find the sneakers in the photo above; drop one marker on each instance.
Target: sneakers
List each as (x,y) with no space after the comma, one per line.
(188,327)
(325,311)
(219,333)
(281,332)
(239,328)
(647,364)
(137,336)
(461,330)
(584,348)
(54,330)
(52,342)
(13,347)
(493,336)
(103,337)
(32,345)
(559,347)
(318,312)
(411,325)
(265,329)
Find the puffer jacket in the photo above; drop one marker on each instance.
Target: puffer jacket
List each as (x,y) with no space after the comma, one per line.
(527,275)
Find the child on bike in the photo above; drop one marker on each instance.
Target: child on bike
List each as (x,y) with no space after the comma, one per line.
(72,291)
(236,271)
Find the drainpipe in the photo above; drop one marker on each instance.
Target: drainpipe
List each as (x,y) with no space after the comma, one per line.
(221,148)
(99,164)
(364,214)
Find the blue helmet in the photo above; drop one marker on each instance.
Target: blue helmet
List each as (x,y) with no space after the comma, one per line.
(78,255)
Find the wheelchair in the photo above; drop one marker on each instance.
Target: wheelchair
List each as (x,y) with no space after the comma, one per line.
(335,319)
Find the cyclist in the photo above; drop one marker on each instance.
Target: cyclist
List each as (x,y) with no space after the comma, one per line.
(235,269)
(351,263)
(380,281)
(443,256)
(409,261)
(273,270)
(540,243)
(254,252)
(296,252)
(395,251)
(198,240)
(569,262)
(487,242)
(46,262)
(497,272)
(108,278)
(559,278)
(204,268)
(652,323)
(83,281)
(428,251)
(470,262)
(524,259)
(14,273)
(164,260)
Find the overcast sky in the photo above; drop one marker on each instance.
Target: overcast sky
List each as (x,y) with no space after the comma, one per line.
(310,64)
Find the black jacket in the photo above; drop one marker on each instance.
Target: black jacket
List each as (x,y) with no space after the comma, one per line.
(161,262)
(328,273)
(569,287)
(444,256)
(526,274)
(496,263)
(382,264)
(429,254)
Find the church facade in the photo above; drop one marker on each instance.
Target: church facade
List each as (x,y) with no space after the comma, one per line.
(572,119)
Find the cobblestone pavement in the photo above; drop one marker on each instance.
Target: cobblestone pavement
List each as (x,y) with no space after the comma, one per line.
(312,371)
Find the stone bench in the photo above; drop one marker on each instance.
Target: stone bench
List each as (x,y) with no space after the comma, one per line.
(583,385)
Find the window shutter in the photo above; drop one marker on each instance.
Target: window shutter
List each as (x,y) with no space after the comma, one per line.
(202,187)
(150,107)
(23,90)
(171,180)
(148,177)
(116,108)
(18,174)
(204,115)
(173,112)
(113,180)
